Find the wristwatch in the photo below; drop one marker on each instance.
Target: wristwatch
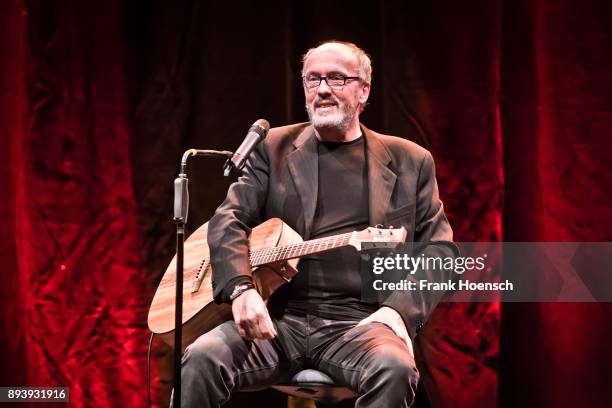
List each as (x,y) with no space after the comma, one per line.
(240,289)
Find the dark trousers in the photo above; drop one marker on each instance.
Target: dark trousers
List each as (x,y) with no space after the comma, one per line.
(369,359)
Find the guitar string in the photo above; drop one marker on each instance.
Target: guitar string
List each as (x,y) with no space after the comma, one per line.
(273,254)
(298,249)
(295,250)
(284,252)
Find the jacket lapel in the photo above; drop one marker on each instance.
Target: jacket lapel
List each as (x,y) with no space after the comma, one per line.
(304,168)
(381,180)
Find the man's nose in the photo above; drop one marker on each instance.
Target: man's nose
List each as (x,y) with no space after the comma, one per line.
(323,88)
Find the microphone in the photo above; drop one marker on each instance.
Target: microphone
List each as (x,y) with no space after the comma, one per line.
(256,134)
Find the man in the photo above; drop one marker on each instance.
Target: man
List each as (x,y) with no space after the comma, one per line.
(322,178)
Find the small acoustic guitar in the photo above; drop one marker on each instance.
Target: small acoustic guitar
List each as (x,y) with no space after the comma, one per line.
(274,249)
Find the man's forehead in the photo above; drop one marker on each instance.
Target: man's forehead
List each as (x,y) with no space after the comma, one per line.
(333,53)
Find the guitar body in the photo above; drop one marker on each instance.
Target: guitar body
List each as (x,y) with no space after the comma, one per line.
(200,313)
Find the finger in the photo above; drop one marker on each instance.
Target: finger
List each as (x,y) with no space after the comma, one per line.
(243,333)
(253,329)
(240,330)
(265,327)
(261,330)
(249,325)
(271,328)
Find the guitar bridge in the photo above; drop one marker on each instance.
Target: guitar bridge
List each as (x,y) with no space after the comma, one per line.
(199,277)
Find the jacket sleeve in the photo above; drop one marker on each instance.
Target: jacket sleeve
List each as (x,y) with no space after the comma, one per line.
(232,222)
(433,238)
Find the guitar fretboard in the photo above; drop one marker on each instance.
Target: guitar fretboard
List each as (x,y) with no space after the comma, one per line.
(283,253)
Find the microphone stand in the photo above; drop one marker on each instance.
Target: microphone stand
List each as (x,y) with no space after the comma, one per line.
(181,208)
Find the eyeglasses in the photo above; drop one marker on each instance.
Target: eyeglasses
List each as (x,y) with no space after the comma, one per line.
(336,81)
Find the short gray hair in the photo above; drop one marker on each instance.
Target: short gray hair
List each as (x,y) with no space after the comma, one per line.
(365,63)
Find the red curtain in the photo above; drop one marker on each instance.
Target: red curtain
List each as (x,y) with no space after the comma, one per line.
(13,106)
(98,100)
(78,293)
(557,117)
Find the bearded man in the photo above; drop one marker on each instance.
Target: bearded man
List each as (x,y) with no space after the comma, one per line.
(326,177)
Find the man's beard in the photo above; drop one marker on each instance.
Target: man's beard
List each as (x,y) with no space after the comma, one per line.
(337,122)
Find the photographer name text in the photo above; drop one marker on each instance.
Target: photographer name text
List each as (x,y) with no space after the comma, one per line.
(462,284)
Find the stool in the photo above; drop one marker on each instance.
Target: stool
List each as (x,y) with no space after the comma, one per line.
(315,385)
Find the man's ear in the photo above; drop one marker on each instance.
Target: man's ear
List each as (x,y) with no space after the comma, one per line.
(365,93)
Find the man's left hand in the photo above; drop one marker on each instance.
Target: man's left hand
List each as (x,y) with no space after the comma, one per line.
(391,318)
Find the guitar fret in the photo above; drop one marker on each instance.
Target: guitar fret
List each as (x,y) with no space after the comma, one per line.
(269,255)
(288,251)
(261,254)
(273,255)
(266,255)
(281,252)
(292,252)
(296,250)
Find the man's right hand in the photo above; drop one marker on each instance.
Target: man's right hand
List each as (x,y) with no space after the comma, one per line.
(251,316)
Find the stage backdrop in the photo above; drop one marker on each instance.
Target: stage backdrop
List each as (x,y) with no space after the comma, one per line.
(98,100)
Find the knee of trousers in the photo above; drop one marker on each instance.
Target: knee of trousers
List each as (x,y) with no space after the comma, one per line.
(206,354)
(395,370)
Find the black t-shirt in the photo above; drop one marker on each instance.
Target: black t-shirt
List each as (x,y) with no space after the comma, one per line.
(329,284)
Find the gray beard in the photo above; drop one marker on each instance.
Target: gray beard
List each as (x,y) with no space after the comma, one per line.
(337,123)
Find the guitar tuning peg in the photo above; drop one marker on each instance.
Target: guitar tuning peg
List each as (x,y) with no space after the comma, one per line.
(379,226)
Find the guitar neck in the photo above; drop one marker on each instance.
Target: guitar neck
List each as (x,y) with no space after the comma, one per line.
(314,246)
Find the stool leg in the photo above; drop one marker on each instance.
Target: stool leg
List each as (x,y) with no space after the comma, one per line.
(296,402)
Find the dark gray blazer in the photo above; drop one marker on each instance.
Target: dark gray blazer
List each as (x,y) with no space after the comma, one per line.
(280,180)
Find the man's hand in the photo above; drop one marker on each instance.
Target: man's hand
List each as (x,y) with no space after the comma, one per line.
(251,316)
(391,318)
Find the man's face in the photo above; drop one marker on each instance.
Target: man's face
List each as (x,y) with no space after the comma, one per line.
(330,108)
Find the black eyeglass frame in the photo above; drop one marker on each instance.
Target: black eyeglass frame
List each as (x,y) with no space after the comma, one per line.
(324,78)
